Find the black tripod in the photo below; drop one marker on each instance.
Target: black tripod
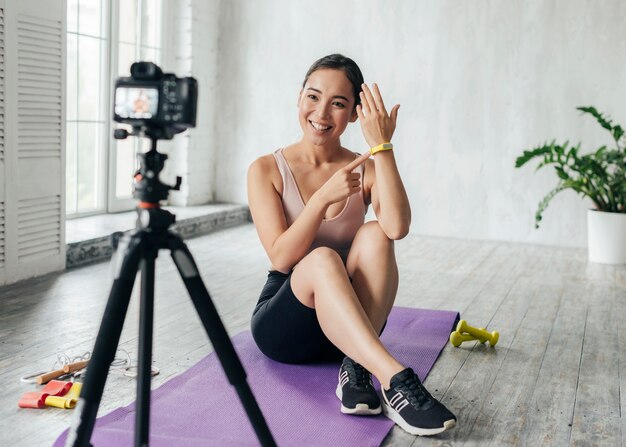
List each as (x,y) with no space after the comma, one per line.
(139,249)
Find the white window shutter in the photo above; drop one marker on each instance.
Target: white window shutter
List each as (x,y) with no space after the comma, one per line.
(33,194)
(2,151)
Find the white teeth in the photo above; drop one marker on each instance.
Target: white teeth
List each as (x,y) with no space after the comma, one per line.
(319,126)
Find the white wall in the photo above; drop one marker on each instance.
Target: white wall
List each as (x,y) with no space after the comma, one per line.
(478,82)
(191,50)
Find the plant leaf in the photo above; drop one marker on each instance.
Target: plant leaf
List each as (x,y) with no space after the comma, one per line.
(561,173)
(606,123)
(536,152)
(618,132)
(546,201)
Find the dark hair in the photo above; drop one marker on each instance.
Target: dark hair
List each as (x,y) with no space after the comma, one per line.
(340,62)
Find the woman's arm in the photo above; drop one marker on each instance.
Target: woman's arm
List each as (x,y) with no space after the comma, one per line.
(388,196)
(284,245)
(387,193)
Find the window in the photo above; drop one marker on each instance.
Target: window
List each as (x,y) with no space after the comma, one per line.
(103,38)
(86,106)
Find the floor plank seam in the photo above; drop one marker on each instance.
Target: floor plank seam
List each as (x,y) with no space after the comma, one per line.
(508,292)
(620,348)
(561,301)
(582,350)
(561,293)
(482,261)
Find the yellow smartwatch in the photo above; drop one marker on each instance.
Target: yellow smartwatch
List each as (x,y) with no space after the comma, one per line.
(381,147)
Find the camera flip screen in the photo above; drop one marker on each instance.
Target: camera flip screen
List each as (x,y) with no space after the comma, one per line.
(155,104)
(136,102)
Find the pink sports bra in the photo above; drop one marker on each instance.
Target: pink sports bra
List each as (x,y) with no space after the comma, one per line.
(337,232)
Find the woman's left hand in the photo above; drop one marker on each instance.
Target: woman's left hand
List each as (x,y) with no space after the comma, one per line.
(377,125)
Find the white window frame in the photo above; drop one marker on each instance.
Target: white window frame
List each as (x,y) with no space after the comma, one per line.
(111,203)
(105,73)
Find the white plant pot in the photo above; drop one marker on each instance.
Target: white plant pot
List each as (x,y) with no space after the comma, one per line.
(606,237)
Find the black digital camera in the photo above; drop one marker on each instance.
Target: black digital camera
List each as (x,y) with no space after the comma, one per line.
(154,103)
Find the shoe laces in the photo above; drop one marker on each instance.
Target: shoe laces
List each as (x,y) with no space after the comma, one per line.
(358,374)
(417,395)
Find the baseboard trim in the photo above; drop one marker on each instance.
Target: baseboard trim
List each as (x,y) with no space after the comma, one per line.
(100,249)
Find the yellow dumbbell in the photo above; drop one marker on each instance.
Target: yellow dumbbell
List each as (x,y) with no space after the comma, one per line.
(456,338)
(480,339)
(479,334)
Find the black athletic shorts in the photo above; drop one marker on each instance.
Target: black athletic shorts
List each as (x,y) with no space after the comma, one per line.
(286,330)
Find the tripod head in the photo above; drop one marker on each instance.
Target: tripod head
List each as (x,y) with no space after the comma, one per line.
(148,187)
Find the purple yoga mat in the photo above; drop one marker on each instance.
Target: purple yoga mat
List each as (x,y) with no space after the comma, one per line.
(200,408)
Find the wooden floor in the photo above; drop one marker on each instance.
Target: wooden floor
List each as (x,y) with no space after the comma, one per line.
(557,376)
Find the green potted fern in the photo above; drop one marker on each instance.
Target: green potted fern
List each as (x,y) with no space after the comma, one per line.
(600,176)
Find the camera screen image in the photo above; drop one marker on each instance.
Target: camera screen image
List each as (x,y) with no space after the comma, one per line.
(136,102)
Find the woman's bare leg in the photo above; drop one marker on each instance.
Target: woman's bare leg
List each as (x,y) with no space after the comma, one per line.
(372,266)
(321,281)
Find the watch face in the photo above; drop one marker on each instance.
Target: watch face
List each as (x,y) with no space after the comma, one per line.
(387,146)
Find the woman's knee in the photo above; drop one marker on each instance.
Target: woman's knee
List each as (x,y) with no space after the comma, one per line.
(316,267)
(323,258)
(370,242)
(372,238)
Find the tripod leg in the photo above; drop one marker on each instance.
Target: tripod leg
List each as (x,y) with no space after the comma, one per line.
(142,417)
(219,337)
(126,262)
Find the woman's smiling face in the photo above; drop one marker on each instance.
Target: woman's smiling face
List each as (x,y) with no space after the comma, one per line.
(326,106)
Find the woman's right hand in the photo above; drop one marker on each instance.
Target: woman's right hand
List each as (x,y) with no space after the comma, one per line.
(343,183)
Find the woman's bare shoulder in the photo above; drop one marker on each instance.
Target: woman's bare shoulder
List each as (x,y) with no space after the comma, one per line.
(265,167)
(264,162)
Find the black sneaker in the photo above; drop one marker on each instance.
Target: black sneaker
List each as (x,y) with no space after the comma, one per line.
(411,406)
(355,389)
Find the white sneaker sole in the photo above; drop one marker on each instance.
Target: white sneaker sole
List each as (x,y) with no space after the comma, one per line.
(360,409)
(395,416)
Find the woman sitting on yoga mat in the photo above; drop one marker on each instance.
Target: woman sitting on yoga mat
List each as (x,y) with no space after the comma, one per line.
(334,278)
